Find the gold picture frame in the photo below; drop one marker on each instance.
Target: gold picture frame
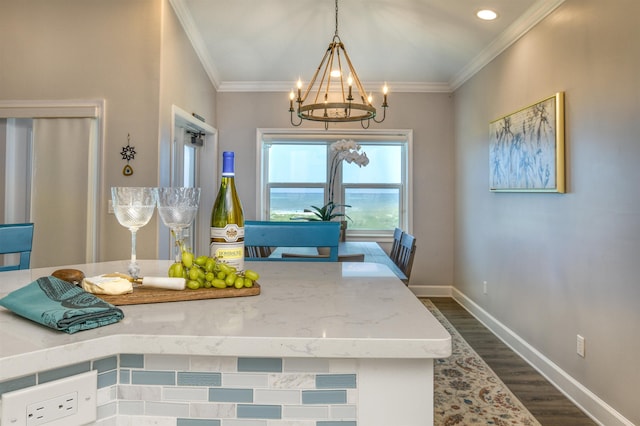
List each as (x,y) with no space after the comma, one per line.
(526,148)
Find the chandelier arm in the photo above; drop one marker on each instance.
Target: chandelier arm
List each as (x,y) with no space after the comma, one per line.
(356,79)
(329,68)
(341,76)
(315,76)
(368,123)
(327,58)
(384,115)
(292,122)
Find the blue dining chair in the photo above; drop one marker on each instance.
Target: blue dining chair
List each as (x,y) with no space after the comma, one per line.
(395,247)
(293,234)
(406,253)
(16,238)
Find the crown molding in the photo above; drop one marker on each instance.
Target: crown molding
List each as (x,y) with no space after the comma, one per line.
(189,26)
(286,86)
(520,27)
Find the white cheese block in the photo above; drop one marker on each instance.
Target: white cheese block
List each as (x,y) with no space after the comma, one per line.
(107,285)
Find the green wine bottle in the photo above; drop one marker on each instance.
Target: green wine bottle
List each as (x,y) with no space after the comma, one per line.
(227,219)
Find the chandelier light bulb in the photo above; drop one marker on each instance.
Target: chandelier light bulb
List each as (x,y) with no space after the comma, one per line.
(299,90)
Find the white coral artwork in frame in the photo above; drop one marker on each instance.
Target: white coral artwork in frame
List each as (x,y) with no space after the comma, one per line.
(526,150)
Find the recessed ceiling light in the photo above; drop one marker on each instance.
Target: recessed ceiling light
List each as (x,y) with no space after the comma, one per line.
(487,14)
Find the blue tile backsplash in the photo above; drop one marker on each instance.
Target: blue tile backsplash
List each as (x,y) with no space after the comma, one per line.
(231,395)
(59,373)
(105,364)
(153,378)
(324,397)
(132,360)
(259,411)
(19,383)
(199,379)
(332,381)
(212,391)
(265,365)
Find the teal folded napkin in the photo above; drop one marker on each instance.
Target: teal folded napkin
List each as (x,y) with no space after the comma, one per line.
(61,305)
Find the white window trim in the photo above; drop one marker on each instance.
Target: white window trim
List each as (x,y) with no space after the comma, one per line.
(267,133)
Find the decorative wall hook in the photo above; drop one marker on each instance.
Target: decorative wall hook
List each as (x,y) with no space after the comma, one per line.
(128,153)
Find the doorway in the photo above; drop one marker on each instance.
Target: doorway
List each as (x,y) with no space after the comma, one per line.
(49,175)
(193,163)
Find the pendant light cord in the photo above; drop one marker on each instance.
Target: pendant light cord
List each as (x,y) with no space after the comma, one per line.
(336,18)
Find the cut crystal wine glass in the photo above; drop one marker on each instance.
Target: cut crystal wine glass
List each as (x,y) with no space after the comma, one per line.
(177,207)
(134,207)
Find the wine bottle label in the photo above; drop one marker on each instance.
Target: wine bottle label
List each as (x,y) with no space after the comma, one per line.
(227,244)
(229,233)
(229,253)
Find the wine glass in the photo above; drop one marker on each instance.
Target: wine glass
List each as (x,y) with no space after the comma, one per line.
(134,207)
(177,207)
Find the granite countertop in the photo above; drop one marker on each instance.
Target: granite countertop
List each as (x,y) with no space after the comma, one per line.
(321,309)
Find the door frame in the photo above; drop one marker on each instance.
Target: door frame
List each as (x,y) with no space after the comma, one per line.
(206,174)
(94,108)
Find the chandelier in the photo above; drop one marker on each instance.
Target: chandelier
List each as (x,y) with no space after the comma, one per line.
(328,99)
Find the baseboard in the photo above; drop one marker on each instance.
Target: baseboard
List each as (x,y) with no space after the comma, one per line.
(587,401)
(431,291)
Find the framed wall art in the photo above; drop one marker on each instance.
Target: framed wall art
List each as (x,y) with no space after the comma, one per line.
(526,149)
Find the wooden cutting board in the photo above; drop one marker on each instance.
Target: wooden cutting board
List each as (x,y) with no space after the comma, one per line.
(143,295)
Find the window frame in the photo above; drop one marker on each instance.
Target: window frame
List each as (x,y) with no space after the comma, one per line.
(404,137)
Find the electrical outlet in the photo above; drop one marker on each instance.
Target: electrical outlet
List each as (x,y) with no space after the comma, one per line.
(66,402)
(52,409)
(484,287)
(580,345)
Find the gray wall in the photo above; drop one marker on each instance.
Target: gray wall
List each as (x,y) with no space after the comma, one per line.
(430,117)
(556,265)
(74,49)
(562,265)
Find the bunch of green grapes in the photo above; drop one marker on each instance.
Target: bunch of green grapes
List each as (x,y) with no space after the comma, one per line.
(207,272)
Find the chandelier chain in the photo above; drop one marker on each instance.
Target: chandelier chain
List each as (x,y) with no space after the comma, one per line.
(336,34)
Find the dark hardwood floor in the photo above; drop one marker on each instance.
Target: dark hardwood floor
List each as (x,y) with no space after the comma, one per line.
(543,400)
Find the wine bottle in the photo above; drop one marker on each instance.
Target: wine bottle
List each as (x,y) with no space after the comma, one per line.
(227,219)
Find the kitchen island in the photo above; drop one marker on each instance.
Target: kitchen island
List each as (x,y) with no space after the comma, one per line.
(332,342)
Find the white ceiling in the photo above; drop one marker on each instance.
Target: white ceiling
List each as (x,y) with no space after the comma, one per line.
(413,45)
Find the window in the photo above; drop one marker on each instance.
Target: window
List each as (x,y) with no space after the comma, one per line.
(294,176)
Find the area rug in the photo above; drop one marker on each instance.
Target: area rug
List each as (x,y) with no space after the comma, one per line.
(468,392)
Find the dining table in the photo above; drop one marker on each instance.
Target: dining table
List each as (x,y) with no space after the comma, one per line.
(372,251)
(324,341)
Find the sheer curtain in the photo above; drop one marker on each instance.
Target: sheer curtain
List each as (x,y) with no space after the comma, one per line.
(61,190)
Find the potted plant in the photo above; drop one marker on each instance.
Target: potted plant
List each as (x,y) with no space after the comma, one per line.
(327,212)
(343,150)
